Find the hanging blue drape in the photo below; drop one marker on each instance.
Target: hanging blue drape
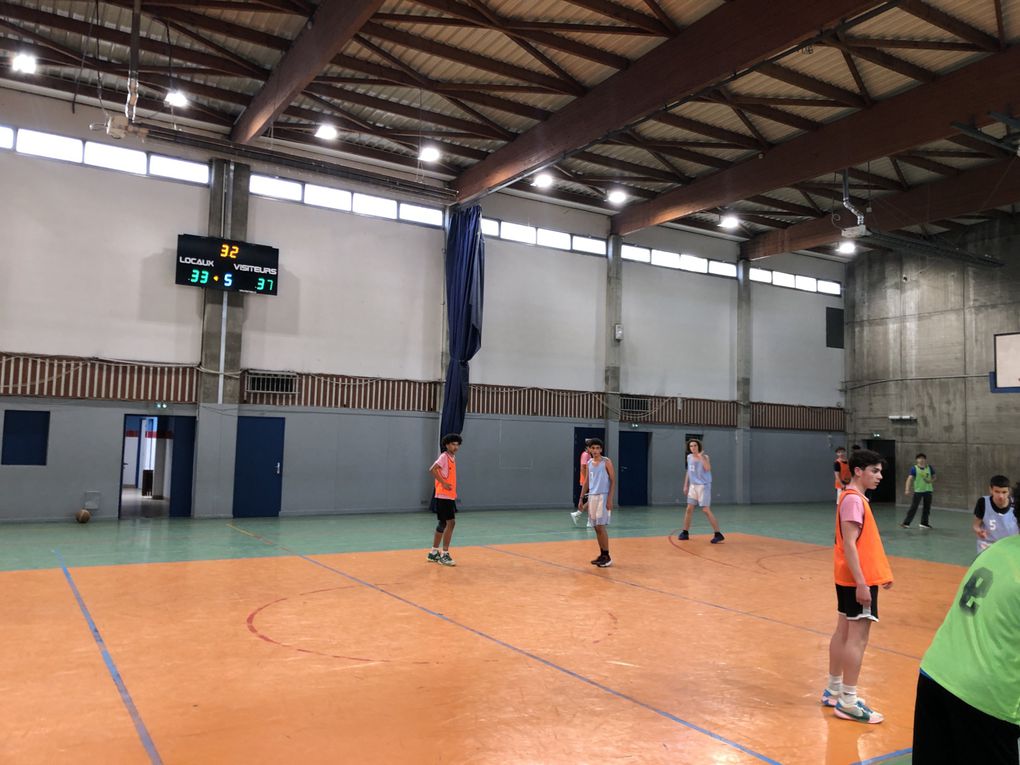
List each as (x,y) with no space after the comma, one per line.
(465,284)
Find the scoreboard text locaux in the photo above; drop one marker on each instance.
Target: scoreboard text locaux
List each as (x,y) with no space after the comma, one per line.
(227,264)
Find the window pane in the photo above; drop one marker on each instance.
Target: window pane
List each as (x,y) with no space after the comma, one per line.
(558,239)
(807,283)
(26,436)
(115,157)
(830,288)
(630,252)
(49,145)
(275,187)
(760,275)
(6,138)
(322,196)
(181,169)
(427,215)
(378,206)
(490,227)
(694,263)
(719,268)
(587,244)
(515,232)
(783,279)
(665,258)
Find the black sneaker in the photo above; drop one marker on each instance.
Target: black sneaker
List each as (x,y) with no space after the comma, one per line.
(598,560)
(926,526)
(683,536)
(717,537)
(605,562)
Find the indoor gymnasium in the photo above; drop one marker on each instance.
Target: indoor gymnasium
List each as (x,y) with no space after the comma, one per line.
(531,382)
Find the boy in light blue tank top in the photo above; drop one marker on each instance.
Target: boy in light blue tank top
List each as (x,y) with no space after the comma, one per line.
(698,488)
(995,514)
(598,487)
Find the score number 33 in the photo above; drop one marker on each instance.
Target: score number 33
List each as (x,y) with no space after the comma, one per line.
(229,251)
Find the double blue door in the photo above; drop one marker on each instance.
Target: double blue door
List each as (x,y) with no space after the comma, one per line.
(258,467)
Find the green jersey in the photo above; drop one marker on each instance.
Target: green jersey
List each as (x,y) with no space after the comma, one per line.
(922,478)
(974,654)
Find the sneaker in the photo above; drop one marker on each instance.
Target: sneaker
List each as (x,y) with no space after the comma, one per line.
(906,526)
(598,560)
(576,517)
(606,562)
(925,526)
(829,699)
(859,712)
(446,560)
(683,536)
(433,557)
(717,537)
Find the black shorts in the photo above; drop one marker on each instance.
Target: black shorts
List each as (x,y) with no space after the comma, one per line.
(445,509)
(948,730)
(846,602)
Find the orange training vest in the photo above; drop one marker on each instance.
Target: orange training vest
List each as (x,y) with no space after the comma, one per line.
(874,564)
(844,474)
(451,479)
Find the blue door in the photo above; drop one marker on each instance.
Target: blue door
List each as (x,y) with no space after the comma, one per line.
(258,467)
(182,466)
(632,469)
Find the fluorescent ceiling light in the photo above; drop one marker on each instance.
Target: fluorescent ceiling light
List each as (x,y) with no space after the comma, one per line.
(24,63)
(327,133)
(617,197)
(176,98)
(729,221)
(846,247)
(429,154)
(542,181)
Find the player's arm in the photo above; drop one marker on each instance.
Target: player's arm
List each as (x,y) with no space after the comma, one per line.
(932,477)
(584,488)
(706,462)
(687,480)
(979,520)
(437,473)
(910,478)
(851,532)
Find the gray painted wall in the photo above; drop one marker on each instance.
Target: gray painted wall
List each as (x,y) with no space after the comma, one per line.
(339,461)
(920,342)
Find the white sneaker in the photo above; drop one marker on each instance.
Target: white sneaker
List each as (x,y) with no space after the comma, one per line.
(576,517)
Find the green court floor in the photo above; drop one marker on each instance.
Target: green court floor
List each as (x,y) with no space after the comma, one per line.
(32,545)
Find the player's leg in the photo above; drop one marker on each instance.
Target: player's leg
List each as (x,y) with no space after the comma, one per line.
(849,706)
(448,534)
(926,510)
(437,537)
(837,643)
(602,535)
(914,503)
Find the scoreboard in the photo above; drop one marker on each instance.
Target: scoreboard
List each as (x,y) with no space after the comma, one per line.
(227,264)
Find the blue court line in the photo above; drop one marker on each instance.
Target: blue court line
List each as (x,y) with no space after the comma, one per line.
(136,718)
(678,596)
(884,757)
(522,652)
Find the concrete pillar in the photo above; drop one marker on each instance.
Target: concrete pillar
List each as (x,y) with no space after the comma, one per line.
(220,387)
(745,359)
(614,328)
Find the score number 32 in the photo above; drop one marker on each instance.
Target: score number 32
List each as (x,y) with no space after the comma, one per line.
(229,251)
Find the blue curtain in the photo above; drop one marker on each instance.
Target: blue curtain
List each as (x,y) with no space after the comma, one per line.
(465,283)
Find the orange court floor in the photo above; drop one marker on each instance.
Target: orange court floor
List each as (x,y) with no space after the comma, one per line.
(522,653)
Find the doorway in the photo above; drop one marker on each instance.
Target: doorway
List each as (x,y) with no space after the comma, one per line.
(258,467)
(580,434)
(157,466)
(886,490)
(632,468)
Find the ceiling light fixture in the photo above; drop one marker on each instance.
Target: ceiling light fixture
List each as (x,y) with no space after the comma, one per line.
(327,132)
(429,154)
(176,99)
(542,181)
(729,221)
(616,197)
(24,63)
(846,247)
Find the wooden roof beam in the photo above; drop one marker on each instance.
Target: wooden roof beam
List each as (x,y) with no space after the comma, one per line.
(992,185)
(919,116)
(680,67)
(334,25)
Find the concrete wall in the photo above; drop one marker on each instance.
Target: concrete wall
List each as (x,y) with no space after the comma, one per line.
(920,342)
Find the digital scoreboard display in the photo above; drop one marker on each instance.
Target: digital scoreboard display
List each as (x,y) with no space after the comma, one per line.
(227,264)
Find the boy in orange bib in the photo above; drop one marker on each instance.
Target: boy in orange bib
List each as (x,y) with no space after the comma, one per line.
(860,568)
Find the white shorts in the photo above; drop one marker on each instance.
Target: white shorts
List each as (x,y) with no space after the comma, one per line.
(597,513)
(699,494)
